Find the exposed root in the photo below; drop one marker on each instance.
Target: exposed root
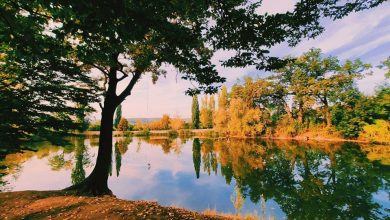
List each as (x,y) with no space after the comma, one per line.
(90,188)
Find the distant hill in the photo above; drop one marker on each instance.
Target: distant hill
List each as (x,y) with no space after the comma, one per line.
(146,120)
(143,120)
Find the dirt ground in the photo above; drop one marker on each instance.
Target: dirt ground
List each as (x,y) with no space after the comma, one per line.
(63,205)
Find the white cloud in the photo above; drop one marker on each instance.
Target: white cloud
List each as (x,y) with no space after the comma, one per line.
(364,48)
(370,83)
(340,32)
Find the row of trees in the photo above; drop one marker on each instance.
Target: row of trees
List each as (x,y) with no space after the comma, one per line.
(165,123)
(312,93)
(203,117)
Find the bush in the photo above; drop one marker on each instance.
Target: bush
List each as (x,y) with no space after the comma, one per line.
(123,125)
(173,134)
(94,126)
(377,132)
(143,133)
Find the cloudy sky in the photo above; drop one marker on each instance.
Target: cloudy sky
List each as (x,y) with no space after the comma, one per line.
(364,35)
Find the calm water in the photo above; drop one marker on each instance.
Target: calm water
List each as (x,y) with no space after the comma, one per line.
(285,180)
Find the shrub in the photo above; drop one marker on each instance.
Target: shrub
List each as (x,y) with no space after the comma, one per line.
(173,134)
(176,123)
(94,126)
(377,132)
(123,125)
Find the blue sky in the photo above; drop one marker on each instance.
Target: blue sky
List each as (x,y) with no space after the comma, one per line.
(364,35)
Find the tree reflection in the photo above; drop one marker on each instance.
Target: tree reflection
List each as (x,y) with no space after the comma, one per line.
(307,181)
(196,156)
(82,159)
(121,146)
(209,157)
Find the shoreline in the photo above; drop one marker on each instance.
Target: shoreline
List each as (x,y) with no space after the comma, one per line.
(209,133)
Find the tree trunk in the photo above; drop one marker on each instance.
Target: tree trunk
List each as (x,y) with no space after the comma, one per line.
(96,182)
(328,118)
(300,113)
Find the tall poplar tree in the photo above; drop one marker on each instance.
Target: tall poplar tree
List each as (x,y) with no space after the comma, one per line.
(118,116)
(195,112)
(221,116)
(204,112)
(211,111)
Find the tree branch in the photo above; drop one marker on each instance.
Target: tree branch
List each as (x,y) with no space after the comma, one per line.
(130,86)
(100,68)
(124,75)
(105,83)
(24,7)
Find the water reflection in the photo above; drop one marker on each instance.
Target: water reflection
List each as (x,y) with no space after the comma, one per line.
(281,179)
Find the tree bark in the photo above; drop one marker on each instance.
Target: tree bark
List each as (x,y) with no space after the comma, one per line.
(300,113)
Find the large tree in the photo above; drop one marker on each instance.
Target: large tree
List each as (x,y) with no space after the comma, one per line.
(40,92)
(125,40)
(313,78)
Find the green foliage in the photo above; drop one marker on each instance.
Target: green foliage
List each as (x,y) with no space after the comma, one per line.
(195,113)
(207,111)
(357,110)
(386,65)
(322,92)
(143,133)
(173,134)
(312,79)
(94,126)
(323,95)
(382,103)
(82,160)
(196,156)
(118,115)
(377,132)
(41,90)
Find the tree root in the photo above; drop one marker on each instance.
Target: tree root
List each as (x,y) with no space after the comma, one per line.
(88,187)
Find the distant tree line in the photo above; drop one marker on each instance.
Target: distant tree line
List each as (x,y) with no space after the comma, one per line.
(313,96)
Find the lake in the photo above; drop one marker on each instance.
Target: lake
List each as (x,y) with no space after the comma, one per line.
(270,179)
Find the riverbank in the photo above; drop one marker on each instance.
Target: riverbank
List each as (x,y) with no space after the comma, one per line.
(210,133)
(64,205)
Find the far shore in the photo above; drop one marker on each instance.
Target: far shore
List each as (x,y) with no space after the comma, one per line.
(210,133)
